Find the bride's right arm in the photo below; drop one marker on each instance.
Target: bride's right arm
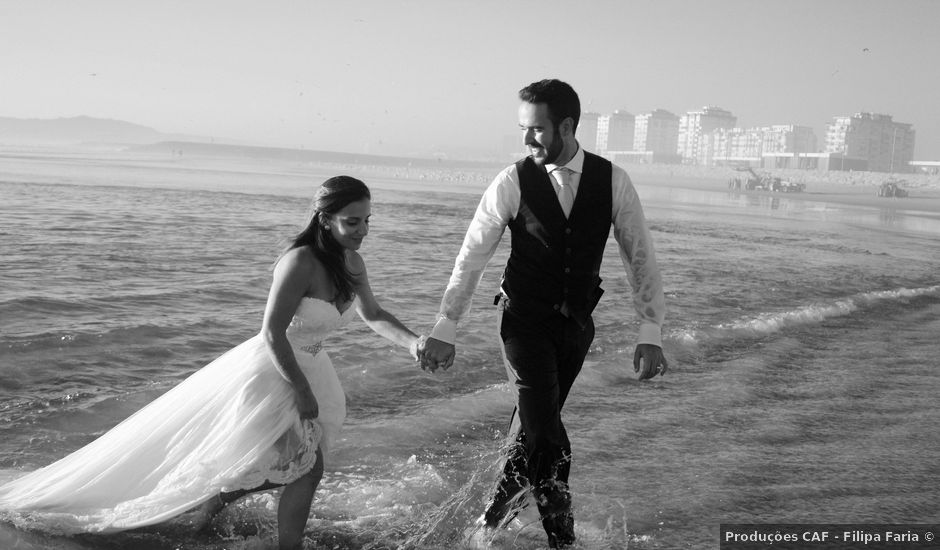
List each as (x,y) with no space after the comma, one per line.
(291,279)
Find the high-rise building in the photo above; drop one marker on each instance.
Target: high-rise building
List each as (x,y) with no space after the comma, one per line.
(587,131)
(887,146)
(615,132)
(694,126)
(657,132)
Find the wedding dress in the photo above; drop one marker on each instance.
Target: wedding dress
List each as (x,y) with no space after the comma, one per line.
(231,425)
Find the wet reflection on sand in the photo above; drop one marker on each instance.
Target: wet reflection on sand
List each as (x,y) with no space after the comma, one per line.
(790,206)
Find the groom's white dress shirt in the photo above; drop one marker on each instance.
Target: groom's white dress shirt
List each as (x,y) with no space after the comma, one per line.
(499,205)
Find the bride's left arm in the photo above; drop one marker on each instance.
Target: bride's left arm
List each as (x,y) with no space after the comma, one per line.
(381,321)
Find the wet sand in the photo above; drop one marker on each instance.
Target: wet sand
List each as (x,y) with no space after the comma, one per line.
(925,198)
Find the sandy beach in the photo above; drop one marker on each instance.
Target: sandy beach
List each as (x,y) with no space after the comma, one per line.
(848,188)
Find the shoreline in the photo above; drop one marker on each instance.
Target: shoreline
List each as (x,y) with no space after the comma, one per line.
(842,189)
(293,177)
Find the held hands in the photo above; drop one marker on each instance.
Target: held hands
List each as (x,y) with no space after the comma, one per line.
(648,361)
(433,354)
(416,349)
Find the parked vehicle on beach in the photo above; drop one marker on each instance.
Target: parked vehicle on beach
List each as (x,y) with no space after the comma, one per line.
(892,188)
(791,187)
(749,180)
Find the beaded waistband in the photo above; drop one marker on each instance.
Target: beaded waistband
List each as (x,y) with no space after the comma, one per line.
(312,349)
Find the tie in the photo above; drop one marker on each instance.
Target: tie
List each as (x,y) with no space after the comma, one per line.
(565,191)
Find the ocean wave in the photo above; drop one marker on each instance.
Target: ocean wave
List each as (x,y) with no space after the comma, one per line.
(145,336)
(725,233)
(79,304)
(42,304)
(27,409)
(815,313)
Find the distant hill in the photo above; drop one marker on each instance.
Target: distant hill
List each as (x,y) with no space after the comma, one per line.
(91,132)
(185,148)
(74,131)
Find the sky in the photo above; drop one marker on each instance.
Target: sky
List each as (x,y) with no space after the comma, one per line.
(420,77)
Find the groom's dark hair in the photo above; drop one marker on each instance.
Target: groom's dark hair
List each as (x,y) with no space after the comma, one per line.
(560,98)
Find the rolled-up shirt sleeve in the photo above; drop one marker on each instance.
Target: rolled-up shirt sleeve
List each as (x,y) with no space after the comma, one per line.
(639,258)
(497,207)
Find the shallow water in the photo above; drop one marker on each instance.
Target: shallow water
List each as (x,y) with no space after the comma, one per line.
(801,338)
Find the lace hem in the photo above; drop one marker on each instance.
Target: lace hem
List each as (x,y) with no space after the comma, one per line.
(293,455)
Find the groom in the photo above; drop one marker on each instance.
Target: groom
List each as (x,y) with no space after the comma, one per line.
(559,203)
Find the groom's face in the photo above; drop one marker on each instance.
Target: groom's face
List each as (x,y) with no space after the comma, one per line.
(539,133)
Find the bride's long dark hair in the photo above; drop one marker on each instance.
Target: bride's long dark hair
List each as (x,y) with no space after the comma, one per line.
(332,196)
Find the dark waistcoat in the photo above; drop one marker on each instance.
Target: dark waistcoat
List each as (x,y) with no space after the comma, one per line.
(554,260)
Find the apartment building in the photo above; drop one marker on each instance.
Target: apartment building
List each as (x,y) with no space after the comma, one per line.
(752,145)
(657,132)
(587,131)
(885,145)
(789,138)
(615,132)
(696,144)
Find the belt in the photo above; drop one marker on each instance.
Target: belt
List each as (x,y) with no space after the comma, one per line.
(312,349)
(561,308)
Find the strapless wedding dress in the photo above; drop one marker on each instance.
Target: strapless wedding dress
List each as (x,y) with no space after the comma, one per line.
(231,425)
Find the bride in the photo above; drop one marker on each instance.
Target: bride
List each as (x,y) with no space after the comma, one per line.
(260,416)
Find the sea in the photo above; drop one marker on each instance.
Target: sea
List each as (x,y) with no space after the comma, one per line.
(802,339)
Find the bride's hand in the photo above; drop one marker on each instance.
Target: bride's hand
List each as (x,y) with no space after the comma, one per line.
(307,404)
(416,349)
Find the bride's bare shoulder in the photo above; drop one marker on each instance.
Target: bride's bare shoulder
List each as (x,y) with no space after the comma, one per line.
(300,259)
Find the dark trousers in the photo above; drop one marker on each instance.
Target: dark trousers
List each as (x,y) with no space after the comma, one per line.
(544,352)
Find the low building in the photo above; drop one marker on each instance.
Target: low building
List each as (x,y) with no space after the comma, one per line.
(736,146)
(925,166)
(642,157)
